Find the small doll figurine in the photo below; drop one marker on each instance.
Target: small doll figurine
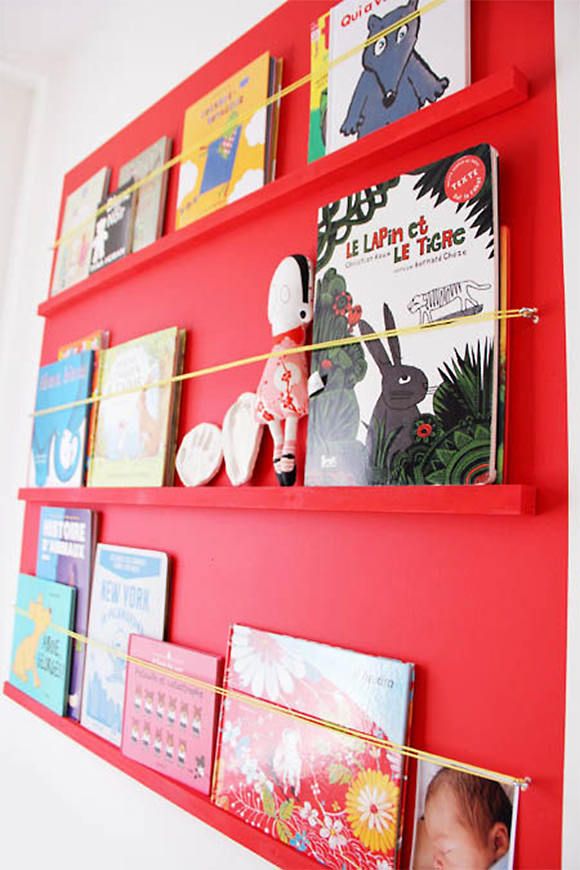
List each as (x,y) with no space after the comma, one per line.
(282,394)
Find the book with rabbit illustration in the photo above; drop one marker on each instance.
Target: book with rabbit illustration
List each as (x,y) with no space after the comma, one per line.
(40,662)
(134,432)
(59,438)
(469,818)
(333,797)
(168,723)
(129,596)
(420,407)
(228,141)
(66,541)
(77,230)
(419,60)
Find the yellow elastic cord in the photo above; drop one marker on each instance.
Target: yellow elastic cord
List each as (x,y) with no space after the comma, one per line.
(501,314)
(274,98)
(259,703)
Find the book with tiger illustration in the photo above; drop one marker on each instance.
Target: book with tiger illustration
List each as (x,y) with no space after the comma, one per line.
(169,724)
(333,797)
(419,407)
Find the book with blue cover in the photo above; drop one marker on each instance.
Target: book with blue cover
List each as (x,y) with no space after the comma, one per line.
(129,596)
(40,662)
(59,438)
(66,541)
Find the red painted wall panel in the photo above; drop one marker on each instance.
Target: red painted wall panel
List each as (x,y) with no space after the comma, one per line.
(479,603)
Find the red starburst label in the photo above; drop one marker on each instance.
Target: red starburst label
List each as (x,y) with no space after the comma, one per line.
(465,178)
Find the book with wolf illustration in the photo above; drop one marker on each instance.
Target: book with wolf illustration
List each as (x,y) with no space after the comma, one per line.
(335,798)
(77,230)
(150,196)
(59,438)
(129,596)
(418,61)
(419,407)
(236,133)
(169,724)
(40,662)
(469,817)
(66,541)
(134,433)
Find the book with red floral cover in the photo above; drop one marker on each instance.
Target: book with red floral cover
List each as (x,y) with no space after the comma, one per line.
(330,795)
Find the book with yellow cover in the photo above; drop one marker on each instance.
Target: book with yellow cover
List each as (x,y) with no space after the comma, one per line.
(231,125)
(134,432)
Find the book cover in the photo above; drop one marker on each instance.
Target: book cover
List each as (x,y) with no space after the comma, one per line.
(150,196)
(129,596)
(229,164)
(463,820)
(40,662)
(424,59)
(96,340)
(72,257)
(420,407)
(59,438)
(328,795)
(133,432)
(168,724)
(113,228)
(319,31)
(66,540)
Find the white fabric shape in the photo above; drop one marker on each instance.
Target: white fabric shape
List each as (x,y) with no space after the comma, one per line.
(242,435)
(200,455)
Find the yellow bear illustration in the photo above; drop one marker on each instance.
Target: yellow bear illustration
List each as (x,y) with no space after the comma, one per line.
(25,655)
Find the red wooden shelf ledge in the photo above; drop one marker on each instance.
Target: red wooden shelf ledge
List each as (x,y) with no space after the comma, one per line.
(500,500)
(189,800)
(485,98)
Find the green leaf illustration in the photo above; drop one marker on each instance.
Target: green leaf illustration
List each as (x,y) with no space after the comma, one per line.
(338,773)
(268,802)
(285,811)
(283,831)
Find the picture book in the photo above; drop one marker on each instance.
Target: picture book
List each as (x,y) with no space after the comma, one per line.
(224,147)
(319,31)
(415,63)
(96,340)
(150,196)
(129,596)
(169,724)
(405,255)
(463,818)
(40,663)
(77,230)
(134,433)
(59,438)
(66,541)
(113,228)
(334,797)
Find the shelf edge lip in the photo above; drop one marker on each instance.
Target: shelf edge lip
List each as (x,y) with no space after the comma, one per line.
(492,500)
(196,804)
(484,98)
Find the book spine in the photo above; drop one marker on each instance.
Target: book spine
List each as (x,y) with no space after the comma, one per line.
(97,384)
(176,391)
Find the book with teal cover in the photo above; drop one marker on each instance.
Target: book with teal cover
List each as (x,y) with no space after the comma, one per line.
(59,438)
(40,662)
(129,596)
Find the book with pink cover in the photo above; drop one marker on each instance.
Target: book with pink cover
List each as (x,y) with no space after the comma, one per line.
(168,724)
(332,796)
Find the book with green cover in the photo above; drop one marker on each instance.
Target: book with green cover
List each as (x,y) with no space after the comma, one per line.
(135,430)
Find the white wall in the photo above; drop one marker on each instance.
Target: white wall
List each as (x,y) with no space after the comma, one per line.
(568,71)
(84,75)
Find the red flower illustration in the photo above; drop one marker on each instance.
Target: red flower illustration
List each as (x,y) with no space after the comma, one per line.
(424,430)
(342,303)
(355,315)
(326,364)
